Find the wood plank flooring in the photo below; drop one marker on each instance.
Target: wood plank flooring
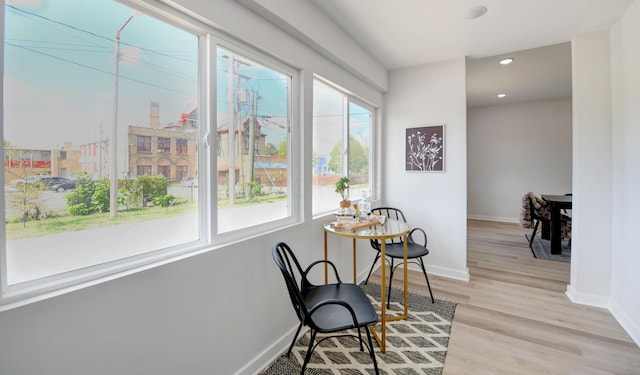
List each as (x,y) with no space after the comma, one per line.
(513,316)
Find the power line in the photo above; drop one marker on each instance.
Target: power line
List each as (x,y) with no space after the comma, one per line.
(93,34)
(94,68)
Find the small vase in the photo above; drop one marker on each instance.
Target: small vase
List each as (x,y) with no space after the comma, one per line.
(345,204)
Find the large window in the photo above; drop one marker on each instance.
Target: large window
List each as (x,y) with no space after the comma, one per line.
(92,75)
(253,110)
(342,143)
(123,91)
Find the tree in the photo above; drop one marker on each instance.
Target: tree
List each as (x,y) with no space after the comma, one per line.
(26,201)
(282,148)
(358,157)
(270,149)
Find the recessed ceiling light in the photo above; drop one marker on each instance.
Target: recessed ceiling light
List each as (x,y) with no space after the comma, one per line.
(501,95)
(474,12)
(507,61)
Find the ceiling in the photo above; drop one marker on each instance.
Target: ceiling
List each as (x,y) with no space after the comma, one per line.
(406,33)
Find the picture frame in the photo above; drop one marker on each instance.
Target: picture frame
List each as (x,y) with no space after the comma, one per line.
(425,148)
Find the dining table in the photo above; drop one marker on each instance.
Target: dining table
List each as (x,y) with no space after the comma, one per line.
(557,203)
(372,229)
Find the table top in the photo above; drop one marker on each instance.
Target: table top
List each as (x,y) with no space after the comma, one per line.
(391,228)
(557,198)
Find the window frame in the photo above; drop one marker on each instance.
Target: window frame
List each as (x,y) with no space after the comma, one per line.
(347,98)
(19,294)
(293,132)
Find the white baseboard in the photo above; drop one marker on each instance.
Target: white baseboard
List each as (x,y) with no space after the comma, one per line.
(450,273)
(431,270)
(629,325)
(260,362)
(587,299)
(494,218)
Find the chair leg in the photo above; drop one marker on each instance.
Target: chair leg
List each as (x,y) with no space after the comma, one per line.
(308,356)
(391,269)
(533,234)
(424,271)
(294,339)
(372,265)
(371,351)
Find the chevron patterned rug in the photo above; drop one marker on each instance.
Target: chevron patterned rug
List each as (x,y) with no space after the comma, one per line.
(414,346)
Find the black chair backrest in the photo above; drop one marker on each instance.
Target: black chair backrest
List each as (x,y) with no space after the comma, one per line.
(289,267)
(535,215)
(391,213)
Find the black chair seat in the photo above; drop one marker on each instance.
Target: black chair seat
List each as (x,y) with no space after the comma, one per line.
(331,318)
(396,250)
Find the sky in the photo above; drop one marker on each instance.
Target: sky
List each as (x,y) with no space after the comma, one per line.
(59,76)
(59,71)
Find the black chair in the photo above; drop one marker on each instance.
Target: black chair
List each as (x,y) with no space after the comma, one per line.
(326,308)
(537,217)
(394,248)
(539,214)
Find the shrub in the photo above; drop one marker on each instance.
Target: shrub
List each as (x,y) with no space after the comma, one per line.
(152,186)
(163,200)
(90,196)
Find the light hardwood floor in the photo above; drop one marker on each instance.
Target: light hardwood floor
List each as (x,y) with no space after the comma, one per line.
(513,316)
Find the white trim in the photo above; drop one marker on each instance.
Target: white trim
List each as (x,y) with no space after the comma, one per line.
(450,273)
(264,359)
(587,299)
(494,218)
(626,321)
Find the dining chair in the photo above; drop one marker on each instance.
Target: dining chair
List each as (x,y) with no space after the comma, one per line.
(538,214)
(327,308)
(394,248)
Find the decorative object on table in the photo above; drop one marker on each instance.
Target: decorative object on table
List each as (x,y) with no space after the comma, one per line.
(342,188)
(365,207)
(425,149)
(419,345)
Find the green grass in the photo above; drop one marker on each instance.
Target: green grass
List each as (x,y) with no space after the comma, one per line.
(68,223)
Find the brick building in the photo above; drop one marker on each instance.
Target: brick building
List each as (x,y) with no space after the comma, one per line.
(21,163)
(170,151)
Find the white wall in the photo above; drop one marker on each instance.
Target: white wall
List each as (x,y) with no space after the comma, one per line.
(436,202)
(226,311)
(625,283)
(222,312)
(592,194)
(513,149)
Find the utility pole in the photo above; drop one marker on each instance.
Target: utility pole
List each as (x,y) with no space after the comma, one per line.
(252,131)
(113,147)
(231,162)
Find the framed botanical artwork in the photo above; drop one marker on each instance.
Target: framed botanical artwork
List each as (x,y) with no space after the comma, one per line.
(424,149)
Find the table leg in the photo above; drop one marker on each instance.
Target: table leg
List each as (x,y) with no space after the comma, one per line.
(556,230)
(326,257)
(383,299)
(406,279)
(355,278)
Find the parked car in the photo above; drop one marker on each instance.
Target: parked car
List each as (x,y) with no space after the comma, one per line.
(43,181)
(189,182)
(64,186)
